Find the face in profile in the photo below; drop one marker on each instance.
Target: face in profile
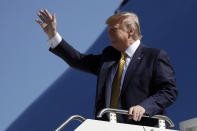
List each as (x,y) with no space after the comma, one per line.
(117,34)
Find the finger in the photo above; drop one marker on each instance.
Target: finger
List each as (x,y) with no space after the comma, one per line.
(54,17)
(47,13)
(39,22)
(135,114)
(130,117)
(131,111)
(140,116)
(45,16)
(41,17)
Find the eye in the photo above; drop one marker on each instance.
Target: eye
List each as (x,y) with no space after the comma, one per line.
(113,29)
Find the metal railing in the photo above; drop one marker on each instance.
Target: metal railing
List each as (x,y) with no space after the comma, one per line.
(118,111)
(75,117)
(161,118)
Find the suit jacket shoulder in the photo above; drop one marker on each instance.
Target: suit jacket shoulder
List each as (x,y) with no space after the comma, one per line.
(151,51)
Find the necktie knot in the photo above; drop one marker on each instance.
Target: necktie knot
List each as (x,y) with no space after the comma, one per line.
(123,56)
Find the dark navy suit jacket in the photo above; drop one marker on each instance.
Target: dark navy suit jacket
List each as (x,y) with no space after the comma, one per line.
(149,80)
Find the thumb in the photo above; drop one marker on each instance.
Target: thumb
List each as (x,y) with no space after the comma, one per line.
(54,17)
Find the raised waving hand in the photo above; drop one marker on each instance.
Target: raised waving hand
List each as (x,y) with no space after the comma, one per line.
(47,22)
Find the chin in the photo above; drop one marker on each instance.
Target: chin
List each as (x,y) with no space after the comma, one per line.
(117,48)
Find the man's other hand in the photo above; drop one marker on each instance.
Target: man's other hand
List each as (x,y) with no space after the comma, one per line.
(47,22)
(136,112)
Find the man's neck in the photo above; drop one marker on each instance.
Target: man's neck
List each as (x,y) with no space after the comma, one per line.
(129,43)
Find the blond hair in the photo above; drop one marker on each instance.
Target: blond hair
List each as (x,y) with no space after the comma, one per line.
(129,21)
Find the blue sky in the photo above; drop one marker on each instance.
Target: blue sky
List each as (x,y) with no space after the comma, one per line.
(27,68)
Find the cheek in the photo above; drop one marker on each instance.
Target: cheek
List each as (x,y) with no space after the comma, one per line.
(124,36)
(112,33)
(116,35)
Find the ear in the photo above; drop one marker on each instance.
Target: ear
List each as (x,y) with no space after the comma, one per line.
(131,33)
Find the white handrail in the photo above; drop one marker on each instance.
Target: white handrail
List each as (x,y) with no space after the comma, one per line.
(118,111)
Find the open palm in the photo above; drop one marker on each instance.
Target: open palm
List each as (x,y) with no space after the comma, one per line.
(47,22)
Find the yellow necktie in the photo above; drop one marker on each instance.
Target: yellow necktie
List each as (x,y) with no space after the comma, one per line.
(115,91)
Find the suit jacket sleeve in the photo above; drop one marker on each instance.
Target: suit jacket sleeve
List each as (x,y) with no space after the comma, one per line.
(163,87)
(87,63)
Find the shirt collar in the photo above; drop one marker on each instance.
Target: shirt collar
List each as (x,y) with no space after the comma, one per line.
(132,48)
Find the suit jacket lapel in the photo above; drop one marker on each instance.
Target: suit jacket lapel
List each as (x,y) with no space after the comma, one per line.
(137,57)
(109,60)
(107,65)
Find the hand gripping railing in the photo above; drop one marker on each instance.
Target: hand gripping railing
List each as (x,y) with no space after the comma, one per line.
(75,117)
(161,118)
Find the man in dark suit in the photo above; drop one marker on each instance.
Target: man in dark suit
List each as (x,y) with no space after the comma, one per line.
(131,76)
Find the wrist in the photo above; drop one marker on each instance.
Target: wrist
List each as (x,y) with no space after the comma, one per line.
(52,35)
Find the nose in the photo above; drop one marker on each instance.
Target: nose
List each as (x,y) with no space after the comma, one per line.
(111,32)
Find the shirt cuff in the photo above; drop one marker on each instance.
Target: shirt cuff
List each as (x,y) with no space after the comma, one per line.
(54,42)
